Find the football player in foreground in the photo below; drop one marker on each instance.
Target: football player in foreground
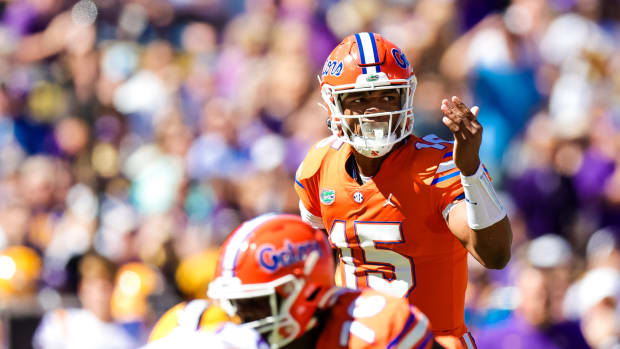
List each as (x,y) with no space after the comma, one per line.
(197,314)
(275,273)
(403,211)
(227,336)
(201,324)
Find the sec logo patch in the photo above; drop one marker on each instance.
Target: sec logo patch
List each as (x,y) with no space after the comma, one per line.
(358,197)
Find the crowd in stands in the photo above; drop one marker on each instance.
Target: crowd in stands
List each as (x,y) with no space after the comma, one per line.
(135,135)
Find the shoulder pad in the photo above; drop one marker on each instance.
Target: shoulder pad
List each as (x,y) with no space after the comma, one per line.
(192,313)
(167,323)
(315,156)
(213,316)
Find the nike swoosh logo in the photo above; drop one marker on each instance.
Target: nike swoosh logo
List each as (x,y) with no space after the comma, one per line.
(473,203)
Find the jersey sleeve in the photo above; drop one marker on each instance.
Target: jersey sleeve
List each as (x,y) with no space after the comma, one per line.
(446,182)
(307,183)
(374,320)
(309,208)
(444,179)
(410,328)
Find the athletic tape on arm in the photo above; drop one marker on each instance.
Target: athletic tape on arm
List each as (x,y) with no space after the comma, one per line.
(483,206)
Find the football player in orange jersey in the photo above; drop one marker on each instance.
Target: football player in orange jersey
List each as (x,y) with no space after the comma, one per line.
(402,211)
(275,273)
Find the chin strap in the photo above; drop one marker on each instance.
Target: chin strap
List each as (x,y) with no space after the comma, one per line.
(322,106)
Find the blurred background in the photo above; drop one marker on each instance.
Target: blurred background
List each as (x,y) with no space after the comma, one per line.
(135,135)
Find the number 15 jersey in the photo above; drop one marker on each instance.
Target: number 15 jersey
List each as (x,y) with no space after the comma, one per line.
(390,231)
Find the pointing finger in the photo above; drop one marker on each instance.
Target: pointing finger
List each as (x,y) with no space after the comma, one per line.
(460,106)
(448,110)
(450,124)
(445,107)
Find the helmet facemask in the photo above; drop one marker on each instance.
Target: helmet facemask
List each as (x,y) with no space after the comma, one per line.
(265,307)
(369,136)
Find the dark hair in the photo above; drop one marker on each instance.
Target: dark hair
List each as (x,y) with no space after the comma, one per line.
(95,266)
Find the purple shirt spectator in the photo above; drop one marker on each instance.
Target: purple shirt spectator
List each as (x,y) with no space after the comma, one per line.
(591,178)
(546,199)
(515,333)
(22,18)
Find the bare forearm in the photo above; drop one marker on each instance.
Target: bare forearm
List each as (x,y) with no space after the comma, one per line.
(490,246)
(480,221)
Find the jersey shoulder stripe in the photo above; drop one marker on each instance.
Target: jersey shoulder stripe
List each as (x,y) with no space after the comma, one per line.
(369,319)
(415,334)
(436,165)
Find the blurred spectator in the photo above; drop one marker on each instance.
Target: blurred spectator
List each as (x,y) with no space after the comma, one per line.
(550,203)
(594,299)
(147,130)
(91,326)
(195,272)
(129,303)
(538,321)
(20,270)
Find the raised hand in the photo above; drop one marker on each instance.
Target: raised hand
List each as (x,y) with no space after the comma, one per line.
(467,132)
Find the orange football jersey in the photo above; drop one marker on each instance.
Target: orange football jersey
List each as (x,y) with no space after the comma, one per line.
(390,231)
(367,319)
